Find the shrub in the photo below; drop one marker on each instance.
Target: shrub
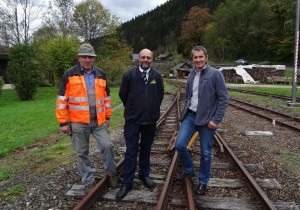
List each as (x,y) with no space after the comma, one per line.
(23,71)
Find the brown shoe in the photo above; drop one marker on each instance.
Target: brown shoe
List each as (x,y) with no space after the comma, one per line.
(113,180)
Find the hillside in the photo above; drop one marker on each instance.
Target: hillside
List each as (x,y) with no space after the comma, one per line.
(161,26)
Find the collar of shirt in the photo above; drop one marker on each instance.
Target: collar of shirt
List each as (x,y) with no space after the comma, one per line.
(89,78)
(198,71)
(142,70)
(82,70)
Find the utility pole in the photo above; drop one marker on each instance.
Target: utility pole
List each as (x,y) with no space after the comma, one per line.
(294,84)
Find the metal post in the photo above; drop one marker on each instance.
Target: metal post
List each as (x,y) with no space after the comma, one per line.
(294,84)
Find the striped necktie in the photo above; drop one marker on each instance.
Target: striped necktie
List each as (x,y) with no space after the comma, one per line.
(144,75)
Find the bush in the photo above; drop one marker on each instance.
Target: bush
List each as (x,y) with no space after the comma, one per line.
(23,71)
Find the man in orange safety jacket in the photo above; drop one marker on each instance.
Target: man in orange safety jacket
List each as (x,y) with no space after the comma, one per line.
(83,107)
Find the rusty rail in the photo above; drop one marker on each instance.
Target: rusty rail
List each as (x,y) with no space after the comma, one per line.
(253,186)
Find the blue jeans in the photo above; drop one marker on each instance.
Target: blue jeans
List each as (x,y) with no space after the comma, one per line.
(206,135)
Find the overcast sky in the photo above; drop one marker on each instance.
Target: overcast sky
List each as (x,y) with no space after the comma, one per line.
(127,9)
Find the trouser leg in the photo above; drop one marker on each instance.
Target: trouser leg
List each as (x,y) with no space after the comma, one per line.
(147,137)
(206,139)
(185,133)
(80,141)
(131,134)
(105,146)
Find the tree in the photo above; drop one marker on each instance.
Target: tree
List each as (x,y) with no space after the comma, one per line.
(239,30)
(281,30)
(61,54)
(192,28)
(24,70)
(17,20)
(114,57)
(60,17)
(93,20)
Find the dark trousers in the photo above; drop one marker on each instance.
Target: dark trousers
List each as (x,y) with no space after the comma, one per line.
(132,134)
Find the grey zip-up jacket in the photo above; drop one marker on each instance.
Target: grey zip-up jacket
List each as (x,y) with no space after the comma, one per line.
(212,96)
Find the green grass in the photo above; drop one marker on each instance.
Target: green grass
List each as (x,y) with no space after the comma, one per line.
(5,173)
(15,190)
(278,91)
(25,122)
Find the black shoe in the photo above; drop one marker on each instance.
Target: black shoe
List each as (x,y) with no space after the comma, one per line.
(122,192)
(201,189)
(185,175)
(148,182)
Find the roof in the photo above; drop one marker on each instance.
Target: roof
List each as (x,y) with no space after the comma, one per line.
(4,50)
(135,56)
(165,55)
(182,66)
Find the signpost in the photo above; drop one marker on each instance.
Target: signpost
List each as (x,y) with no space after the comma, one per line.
(294,84)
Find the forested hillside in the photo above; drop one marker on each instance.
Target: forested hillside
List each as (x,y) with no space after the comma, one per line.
(161,26)
(255,30)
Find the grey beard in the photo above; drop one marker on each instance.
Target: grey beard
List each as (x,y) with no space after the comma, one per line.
(145,67)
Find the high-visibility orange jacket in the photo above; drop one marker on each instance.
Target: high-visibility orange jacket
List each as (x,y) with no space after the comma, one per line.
(72,103)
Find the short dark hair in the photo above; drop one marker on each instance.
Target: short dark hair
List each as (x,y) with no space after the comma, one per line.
(199,48)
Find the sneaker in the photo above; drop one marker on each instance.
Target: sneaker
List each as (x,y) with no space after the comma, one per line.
(113,180)
(201,189)
(89,187)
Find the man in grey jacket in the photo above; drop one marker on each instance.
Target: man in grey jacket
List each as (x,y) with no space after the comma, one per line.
(205,104)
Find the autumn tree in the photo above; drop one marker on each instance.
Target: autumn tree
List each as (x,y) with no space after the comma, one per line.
(192,29)
(93,20)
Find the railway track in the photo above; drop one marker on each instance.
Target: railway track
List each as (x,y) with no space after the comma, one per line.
(273,116)
(231,185)
(270,95)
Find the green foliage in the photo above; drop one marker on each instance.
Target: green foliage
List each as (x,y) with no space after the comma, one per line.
(93,20)
(114,57)
(24,70)
(61,54)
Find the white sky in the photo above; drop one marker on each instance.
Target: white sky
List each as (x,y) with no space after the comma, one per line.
(127,9)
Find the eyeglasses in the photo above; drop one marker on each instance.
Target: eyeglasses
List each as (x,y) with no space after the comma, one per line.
(146,57)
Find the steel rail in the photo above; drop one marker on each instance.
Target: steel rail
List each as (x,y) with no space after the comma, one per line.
(190,201)
(271,95)
(266,117)
(270,110)
(253,186)
(164,194)
(90,198)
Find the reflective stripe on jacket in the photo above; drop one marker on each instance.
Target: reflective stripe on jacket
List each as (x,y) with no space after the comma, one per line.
(72,101)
